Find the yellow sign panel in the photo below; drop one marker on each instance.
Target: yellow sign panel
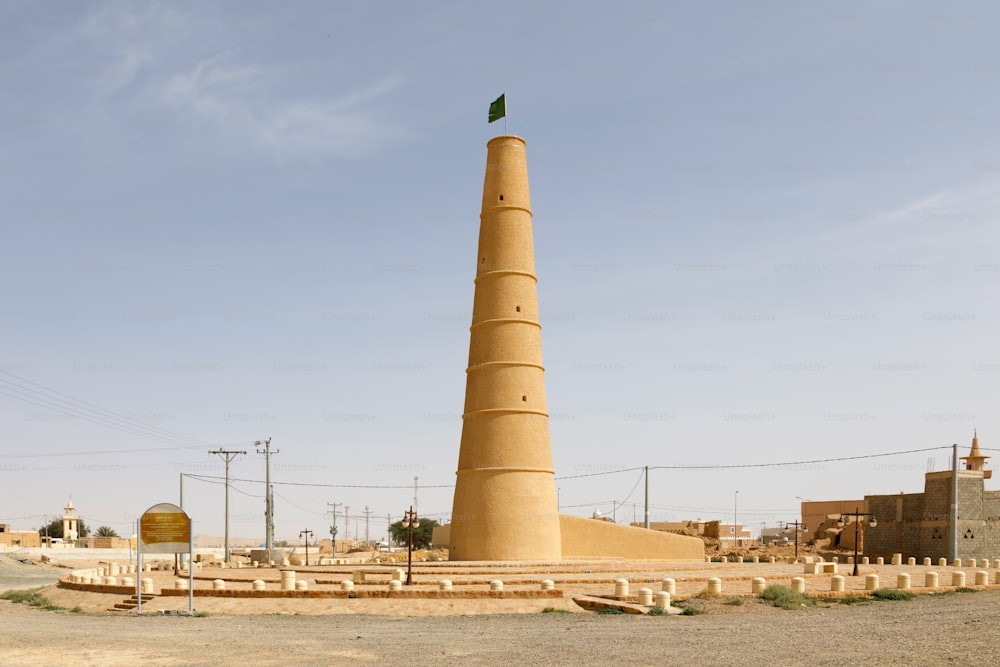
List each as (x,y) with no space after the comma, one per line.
(165,528)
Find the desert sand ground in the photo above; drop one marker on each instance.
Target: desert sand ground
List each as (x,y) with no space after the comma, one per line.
(951,629)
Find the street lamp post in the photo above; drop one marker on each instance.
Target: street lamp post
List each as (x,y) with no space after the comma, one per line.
(410,521)
(857,514)
(736,537)
(307,533)
(798,526)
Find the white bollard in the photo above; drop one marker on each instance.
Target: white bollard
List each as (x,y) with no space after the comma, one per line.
(798,584)
(957,562)
(110,581)
(180,584)
(288,580)
(669,586)
(496,585)
(942,562)
(756,559)
(897,559)
(347,585)
(865,560)
(548,585)
(931,580)
(662,600)
(771,559)
(757,585)
(714,586)
(958,579)
(871,582)
(880,561)
(996,577)
(911,561)
(301,585)
(837,583)
(927,562)
(258,584)
(982,577)
(444,585)
(996,564)
(646,597)
(218,584)
(903,581)
(395,585)
(621,588)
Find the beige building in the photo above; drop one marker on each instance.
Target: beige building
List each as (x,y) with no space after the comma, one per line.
(18,539)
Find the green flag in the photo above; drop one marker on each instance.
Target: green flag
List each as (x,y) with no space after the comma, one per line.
(498,109)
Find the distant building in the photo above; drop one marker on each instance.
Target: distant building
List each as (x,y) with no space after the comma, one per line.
(18,539)
(919,524)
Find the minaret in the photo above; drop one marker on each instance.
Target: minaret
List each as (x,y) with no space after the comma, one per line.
(71,529)
(975,460)
(505,497)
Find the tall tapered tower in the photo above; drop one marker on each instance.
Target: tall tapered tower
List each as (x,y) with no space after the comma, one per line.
(505,497)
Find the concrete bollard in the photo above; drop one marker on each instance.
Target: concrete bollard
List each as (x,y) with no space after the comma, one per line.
(757,585)
(837,583)
(880,561)
(147,567)
(714,586)
(996,577)
(180,584)
(835,559)
(957,562)
(756,559)
(128,581)
(444,585)
(927,562)
(621,588)
(798,584)
(972,562)
(669,586)
(497,585)
(903,581)
(897,559)
(708,559)
(911,561)
(347,585)
(662,600)
(865,560)
(982,577)
(399,574)
(996,564)
(258,584)
(301,585)
(358,576)
(85,580)
(218,584)
(771,559)
(646,597)
(110,581)
(942,562)
(548,585)
(931,580)
(871,582)
(739,559)
(958,579)
(395,585)
(288,580)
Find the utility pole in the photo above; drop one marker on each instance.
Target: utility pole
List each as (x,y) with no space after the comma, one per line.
(227,455)
(333,527)
(268,496)
(388,531)
(415,506)
(645,521)
(347,523)
(368,514)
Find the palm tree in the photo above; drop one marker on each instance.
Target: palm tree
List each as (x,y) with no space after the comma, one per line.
(106,531)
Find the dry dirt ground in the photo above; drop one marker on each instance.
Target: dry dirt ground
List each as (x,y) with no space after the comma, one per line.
(950,629)
(955,629)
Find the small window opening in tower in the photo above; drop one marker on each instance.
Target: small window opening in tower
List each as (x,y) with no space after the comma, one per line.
(519,309)
(501,197)
(524,399)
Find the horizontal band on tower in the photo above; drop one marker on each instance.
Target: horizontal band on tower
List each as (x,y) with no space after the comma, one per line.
(513,411)
(504,207)
(466,471)
(505,272)
(527,364)
(505,320)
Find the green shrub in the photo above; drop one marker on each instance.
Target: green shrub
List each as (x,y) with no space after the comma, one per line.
(966,589)
(784,597)
(893,594)
(610,611)
(30,598)
(693,611)
(555,610)
(735,602)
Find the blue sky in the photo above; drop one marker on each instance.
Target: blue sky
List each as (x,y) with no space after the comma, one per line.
(763,234)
